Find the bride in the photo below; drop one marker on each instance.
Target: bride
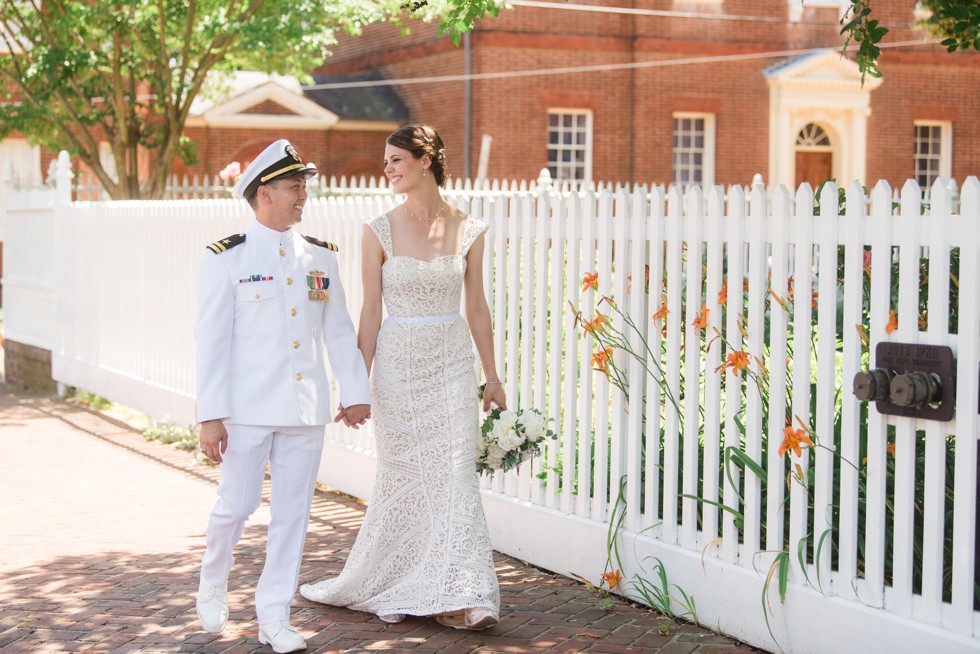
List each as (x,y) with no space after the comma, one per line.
(424,548)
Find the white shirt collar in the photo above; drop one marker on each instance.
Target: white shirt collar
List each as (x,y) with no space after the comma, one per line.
(268,236)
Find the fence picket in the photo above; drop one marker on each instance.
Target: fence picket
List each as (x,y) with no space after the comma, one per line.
(827,239)
(735,236)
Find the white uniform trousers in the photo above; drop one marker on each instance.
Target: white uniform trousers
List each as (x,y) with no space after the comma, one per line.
(293,456)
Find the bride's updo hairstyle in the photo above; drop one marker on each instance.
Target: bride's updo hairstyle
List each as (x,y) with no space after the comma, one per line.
(422,140)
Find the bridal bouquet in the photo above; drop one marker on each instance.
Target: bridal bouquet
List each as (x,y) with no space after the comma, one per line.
(508,438)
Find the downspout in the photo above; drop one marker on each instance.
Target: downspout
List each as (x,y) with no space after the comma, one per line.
(467,103)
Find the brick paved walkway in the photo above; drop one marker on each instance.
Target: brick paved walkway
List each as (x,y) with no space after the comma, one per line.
(101,534)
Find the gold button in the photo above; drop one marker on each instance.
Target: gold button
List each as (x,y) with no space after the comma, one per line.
(289,281)
(282,252)
(256,296)
(295,345)
(299,377)
(292,312)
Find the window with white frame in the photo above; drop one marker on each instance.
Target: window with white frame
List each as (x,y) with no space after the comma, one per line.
(570,145)
(933,150)
(694,149)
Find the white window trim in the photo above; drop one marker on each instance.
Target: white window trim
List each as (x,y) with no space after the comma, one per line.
(708,161)
(945,146)
(587,174)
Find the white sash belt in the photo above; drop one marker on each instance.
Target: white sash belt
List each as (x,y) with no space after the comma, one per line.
(425,319)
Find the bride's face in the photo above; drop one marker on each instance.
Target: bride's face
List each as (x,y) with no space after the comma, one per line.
(403,171)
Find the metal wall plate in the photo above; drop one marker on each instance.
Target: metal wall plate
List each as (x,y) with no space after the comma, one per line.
(916,357)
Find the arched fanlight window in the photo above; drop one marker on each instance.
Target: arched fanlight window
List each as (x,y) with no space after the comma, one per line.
(812,136)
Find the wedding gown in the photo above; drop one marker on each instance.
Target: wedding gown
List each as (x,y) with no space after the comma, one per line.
(424,547)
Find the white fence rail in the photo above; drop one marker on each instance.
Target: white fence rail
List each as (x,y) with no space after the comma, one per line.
(876,527)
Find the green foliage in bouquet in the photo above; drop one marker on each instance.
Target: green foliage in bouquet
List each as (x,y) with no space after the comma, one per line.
(508,438)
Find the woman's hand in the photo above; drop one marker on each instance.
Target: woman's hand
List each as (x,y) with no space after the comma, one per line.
(494,393)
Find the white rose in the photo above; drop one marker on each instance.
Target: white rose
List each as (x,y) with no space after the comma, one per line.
(495,456)
(510,439)
(507,419)
(481,445)
(534,426)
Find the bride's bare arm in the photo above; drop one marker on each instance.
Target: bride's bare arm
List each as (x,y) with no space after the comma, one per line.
(481,327)
(372,258)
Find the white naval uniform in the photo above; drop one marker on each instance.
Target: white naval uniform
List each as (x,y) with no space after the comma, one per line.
(260,369)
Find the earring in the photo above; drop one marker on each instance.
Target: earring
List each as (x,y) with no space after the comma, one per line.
(424,171)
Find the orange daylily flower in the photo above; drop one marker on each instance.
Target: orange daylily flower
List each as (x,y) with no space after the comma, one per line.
(701,321)
(723,294)
(792,440)
(892,322)
(590,279)
(735,361)
(600,360)
(612,579)
(661,313)
(598,324)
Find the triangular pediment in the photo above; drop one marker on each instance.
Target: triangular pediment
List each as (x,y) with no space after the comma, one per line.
(819,68)
(275,102)
(269,107)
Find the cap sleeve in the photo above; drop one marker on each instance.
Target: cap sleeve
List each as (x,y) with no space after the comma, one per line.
(382,230)
(471,231)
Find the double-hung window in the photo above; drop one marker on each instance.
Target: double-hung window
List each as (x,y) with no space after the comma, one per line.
(570,145)
(933,148)
(694,149)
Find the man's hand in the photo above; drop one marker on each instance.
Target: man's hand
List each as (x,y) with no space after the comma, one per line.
(354,415)
(213,439)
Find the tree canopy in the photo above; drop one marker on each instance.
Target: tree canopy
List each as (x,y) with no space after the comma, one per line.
(956,22)
(125,72)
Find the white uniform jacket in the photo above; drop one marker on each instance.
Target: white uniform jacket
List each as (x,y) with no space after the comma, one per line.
(260,335)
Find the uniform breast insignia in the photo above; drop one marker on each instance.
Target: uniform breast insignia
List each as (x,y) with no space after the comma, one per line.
(318,282)
(226,243)
(322,244)
(255,278)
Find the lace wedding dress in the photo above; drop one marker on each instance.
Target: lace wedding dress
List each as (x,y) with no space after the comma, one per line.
(424,547)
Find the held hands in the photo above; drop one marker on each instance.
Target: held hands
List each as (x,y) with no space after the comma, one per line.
(213,439)
(354,415)
(494,394)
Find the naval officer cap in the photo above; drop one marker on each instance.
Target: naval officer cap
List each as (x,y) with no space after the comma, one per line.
(277,161)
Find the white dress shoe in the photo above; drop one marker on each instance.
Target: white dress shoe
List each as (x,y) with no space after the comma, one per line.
(212,607)
(281,637)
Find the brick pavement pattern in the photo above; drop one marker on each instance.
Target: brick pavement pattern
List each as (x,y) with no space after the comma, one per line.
(101,534)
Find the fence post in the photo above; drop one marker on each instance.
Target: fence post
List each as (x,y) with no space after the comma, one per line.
(62,181)
(544,181)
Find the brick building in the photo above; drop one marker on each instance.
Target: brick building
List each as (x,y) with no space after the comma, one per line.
(653,91)
(693,97)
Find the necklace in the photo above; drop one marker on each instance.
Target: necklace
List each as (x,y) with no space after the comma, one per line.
(431,220)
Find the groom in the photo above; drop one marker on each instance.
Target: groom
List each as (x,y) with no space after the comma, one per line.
(269,300)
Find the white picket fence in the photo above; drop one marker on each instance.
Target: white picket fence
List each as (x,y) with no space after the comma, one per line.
(864,541)
(86,187)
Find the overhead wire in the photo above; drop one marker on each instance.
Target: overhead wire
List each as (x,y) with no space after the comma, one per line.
(567,70)
(666,13)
